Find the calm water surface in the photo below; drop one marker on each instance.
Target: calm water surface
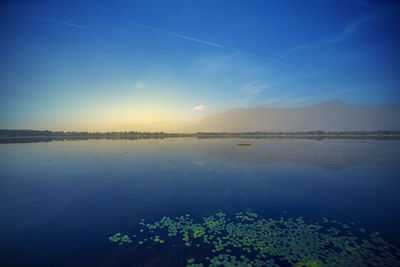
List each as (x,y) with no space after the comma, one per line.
(61,201)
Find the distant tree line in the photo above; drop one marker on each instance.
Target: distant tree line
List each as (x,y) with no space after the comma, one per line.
(35,133)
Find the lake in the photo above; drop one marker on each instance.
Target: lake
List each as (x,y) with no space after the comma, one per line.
(189,201)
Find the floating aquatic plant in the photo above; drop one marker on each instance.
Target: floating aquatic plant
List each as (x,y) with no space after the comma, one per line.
(120,239)
(270,242)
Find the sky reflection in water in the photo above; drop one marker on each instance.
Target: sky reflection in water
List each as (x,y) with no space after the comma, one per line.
(60,201)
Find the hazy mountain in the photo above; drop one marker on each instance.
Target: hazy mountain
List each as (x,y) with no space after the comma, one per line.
(328,116)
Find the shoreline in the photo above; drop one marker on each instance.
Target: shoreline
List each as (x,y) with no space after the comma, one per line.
(16,136)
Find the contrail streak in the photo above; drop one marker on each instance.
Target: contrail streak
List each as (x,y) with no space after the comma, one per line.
(61,22)
(208,43)
(98,7)
(179,36)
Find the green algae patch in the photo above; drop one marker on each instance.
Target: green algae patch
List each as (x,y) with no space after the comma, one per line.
(247,239)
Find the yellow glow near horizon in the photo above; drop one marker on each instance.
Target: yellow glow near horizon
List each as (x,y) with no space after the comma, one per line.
(156,115)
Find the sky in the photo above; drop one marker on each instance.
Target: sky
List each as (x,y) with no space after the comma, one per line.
(125,65)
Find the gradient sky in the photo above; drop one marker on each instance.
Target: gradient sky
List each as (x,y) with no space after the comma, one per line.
(106,65)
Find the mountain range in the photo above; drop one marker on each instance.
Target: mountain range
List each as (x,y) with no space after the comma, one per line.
(333,115)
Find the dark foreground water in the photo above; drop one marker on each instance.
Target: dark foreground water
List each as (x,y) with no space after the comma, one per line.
(177,201)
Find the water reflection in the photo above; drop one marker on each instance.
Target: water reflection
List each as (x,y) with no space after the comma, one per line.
(64,199)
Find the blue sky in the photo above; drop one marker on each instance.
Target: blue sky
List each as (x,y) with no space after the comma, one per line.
(100,65)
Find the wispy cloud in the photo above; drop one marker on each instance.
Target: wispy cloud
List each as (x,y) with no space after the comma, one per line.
(248,94)
(140,85)
(209,43)
(281,56)
(198,108)
(349,31)
(61,22)
(254,87)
